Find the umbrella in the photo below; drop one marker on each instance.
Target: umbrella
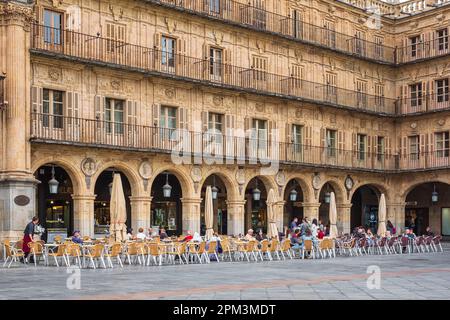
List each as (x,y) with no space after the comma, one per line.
(333,216)
(382,216)
(272,230)
(117,208)
(209,213)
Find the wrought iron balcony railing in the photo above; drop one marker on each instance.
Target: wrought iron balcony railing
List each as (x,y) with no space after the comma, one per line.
(425,103)
(252,17)
(423,50)
(48,128)
(93,49)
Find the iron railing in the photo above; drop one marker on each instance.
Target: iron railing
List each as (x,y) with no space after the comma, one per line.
(423,50)
(425,103)
(95,49)
(256,18)
(216,146)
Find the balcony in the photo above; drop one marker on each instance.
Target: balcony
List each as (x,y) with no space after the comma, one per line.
(251,17)
(423,50)
(425,103)
(240,149)
(116,54)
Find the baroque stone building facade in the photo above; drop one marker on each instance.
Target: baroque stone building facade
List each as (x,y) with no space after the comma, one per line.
(343,96)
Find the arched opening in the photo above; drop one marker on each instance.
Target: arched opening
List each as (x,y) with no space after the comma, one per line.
(293,199)
(428,204)
(364,211)
(54,201)
(324,199)
(102,200)
(255,205)
(219,205)
(166,204)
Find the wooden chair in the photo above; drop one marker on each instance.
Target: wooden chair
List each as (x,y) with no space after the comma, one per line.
(212,249)
(37,250)
(285,248)
(199,253)
(60,253)
(273,249)
(264,250)
(136,250)
(179,250)
(57,239)
(308,246)
(251,250)
(437,243)
(114,252)
(153,250)
(73,250)
(95,253)
(12,254)
(227,249)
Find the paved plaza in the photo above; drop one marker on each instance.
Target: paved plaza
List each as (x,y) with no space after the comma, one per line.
(416,276)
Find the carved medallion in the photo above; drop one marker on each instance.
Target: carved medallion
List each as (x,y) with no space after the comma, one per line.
(145,170)
(217,100)
(196,174)
(170,93)
(240,176)
(88,166)
(316,180)
(280,178)
(21,200)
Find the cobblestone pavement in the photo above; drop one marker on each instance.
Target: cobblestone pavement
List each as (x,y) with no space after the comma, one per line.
(415,276)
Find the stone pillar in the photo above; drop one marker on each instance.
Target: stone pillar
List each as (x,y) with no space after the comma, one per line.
(343,217)
(235,217)
(140,212)
(396,214)
(279,210)
(311,210)
(83,211)
(191,214)
(17,183)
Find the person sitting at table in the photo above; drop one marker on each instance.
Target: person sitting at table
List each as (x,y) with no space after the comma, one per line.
(141,235)
(188,236)
(162,234)
(320,234)
(149,233)
(130,235)
(76,237)
(249,236)
(260,236)
(296,240)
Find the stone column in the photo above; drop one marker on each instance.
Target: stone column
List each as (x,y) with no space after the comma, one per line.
(140,212)
(279,210)
(235,217)
(396,214)
(311,210)
(343,217)
(17,183)
(191,214)
(83,211)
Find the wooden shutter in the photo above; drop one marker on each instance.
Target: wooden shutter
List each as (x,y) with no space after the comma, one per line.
(36,99)
(181,59)
(132,114)
(404,147)
(288,133)
(387,146)
(308,136)
(355,142)
(99,107)
(183,121)
(72,106)
(228,70)
(431,144)
(205,120)
(369,144)
(323,137)
(341,140)
(422,143)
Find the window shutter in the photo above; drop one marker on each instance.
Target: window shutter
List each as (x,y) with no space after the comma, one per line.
(72,106)
(288,133)
(375,145)
(369,145)
(405,96)
(308,136)
(271,127)
(341,144)
(227,61)
(404,146)
(181,51)
(431,99)
(323,143)
(99,107)
(183,121)
(156,113)
(422,144)
(431,143)
(355,142)
(387,145)
(36,99)
(157,48)
(131,115)
(205,121)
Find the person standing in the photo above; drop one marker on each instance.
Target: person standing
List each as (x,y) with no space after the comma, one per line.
(28,236)
(293,224)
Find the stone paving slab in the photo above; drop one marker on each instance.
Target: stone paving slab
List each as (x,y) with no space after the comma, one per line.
(415,276)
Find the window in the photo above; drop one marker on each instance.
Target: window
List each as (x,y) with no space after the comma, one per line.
(331,89)
(329,34)
(52,27)
(168,121)
(168,52)
(414,43)
(260,133)
(442,144)
(297,137)
(114,115)
(442,39)
(361,93)
(360,45)
(215,122)
(379,50)
(442,90)
(361,145)
(297,72)
(260,68)
(215,63)
(297,25)
(380,148)
(379,94)
(331,142)
(413,147)
(52,108)
(115,35)
(416,94)
(214,6)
